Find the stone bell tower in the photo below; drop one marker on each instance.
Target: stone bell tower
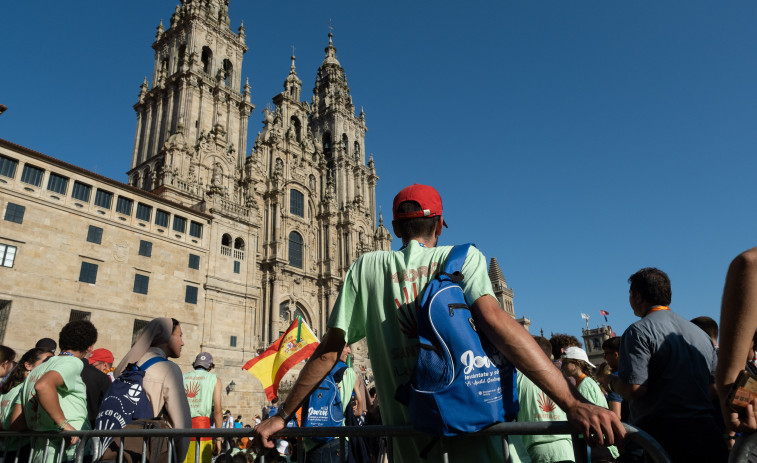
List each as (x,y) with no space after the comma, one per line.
(192,116)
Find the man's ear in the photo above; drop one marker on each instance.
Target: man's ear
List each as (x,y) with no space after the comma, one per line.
(394,229)
(439,226)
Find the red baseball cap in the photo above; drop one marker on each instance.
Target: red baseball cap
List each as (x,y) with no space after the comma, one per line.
(102,355)
(426,196)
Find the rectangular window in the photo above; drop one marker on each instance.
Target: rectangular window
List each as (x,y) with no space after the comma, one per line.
(139,325)
(179,224)
(195,229)
(88,273)
(81,191)
(103,199)
(57,183)
(32,175)
(236,266)
(123,205)
(8,167)
(5,311)
(95,234)
(145,248)
(297,203)
(7,255)
(194,261)
(144,212)
(233,341)
(161,218)
(191,295)
(141,282)
(79,315)
(14,213)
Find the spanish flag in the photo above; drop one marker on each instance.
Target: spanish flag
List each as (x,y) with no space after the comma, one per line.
(295,345)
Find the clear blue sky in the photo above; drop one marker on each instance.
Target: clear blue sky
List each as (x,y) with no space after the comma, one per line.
(576,142)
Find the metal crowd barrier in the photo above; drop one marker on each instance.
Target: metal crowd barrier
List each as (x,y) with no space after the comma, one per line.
(654,451)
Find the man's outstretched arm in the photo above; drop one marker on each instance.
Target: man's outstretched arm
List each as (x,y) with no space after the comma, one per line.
(318,366)
(738,320)
(598,424)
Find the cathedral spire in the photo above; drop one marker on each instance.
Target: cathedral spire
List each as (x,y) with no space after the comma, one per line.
(331,52)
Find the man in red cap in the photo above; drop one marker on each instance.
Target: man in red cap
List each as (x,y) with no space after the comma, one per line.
(378,302)
(102,359)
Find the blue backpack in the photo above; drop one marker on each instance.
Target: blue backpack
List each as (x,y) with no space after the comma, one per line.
(324,406)
(125,400)
(460,383)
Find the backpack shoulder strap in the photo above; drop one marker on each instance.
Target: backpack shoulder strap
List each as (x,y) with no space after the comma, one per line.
(338,371)
(150,362)
(456,259)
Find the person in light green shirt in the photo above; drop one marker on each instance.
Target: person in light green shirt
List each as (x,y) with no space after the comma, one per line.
(378,301)
(536,406)
(576,365)
(53,397)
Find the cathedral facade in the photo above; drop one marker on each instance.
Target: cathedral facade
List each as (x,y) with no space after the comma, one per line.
(233,241)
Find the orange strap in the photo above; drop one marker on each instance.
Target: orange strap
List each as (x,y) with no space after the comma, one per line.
(657,308)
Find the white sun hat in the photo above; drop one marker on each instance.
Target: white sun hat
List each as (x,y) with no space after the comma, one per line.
(576,353)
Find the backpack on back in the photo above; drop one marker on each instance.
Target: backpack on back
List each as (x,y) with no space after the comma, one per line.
(324,406)
(125,400)
(460,383)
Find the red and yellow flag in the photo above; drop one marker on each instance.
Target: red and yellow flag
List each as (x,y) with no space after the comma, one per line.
(294,346)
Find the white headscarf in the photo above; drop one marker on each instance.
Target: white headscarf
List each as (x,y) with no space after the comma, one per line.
(158,331)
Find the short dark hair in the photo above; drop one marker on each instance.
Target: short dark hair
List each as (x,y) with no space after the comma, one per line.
(560,341)
(419,227)
(77,335)
(652,284)
(545,345)
(708,325)
(7,354)
(612,344)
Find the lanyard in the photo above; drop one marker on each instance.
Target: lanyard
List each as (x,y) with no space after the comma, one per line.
(657,308)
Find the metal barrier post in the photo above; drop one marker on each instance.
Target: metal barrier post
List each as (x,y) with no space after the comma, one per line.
(505,448)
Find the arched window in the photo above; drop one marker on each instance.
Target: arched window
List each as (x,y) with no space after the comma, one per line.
(228,69)
(182,51)
(147,180)
(345,142)
(297,203)
(299,311)
(135,180)
(296,127)
(226,240)
(284,311)
(295,249)
(327,142)
(207,57)
(239,244)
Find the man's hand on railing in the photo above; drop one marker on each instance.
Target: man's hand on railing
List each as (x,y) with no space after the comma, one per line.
(263,432)
(71,440)
(599,425)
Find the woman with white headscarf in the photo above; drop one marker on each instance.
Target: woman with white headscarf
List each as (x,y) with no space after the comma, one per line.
(163,382)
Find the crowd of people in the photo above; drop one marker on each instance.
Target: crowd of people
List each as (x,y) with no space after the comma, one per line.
(665,375)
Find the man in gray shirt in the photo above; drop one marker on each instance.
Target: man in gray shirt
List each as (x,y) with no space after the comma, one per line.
(666,369)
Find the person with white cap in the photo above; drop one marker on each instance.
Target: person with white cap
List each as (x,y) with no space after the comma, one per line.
(377,301)
(576,365)
(203,390)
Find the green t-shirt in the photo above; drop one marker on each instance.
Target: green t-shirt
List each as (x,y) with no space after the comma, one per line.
(199,386)
(378,302)
(72,397)
(7,402)
(591,391)
(535,405)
